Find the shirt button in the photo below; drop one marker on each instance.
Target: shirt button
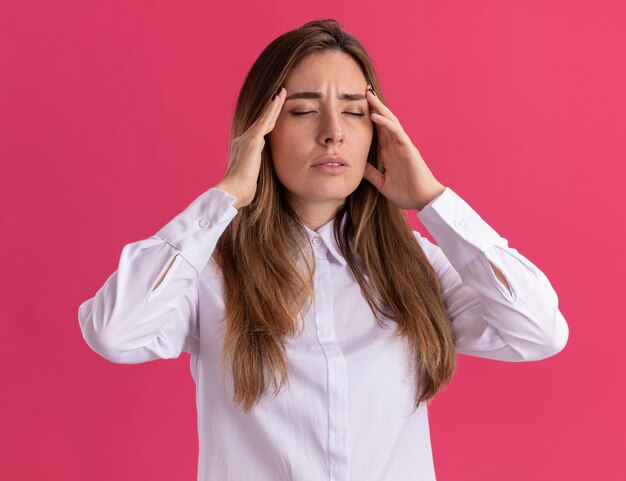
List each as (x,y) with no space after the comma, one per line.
(458,222)
(203,223)
(317,241)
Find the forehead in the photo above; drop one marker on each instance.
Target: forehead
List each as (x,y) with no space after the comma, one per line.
(330,66)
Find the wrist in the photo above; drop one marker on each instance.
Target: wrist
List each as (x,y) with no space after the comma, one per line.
(229,190)
(436,192)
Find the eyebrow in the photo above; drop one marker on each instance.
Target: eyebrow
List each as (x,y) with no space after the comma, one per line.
(318,95)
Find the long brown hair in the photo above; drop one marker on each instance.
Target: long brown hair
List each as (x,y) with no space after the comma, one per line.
(265,290)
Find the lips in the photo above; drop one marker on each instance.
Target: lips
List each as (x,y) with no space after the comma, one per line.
(330,158)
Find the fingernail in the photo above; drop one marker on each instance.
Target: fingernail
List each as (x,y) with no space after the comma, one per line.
(276,93)
(371,89)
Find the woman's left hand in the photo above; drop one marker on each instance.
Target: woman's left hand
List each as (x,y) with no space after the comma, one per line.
(407,181)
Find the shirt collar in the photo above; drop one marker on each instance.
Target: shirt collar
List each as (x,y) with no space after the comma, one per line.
(328,237)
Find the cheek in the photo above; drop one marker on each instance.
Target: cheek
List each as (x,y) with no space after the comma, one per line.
(365,143)
(281,135)
(286,142)
(284,155)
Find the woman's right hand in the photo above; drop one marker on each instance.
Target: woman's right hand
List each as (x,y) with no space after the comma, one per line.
(245,154)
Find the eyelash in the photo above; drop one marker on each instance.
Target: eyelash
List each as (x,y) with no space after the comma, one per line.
(357,114)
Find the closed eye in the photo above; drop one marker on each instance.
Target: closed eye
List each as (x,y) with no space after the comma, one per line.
(357,114)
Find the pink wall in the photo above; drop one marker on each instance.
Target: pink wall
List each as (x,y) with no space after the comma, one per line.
(114,116)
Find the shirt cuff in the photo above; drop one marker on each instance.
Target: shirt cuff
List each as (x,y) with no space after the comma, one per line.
(459,231)
(196,230)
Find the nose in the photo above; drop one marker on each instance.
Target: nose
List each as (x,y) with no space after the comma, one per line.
(331,130)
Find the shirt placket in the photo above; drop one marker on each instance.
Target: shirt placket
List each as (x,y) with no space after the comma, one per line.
(337,383)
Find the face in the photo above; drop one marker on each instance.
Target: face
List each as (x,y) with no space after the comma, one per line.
(325,123)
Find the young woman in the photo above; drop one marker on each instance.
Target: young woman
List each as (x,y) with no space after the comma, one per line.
(300,268)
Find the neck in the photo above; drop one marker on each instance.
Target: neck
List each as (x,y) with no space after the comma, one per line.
(318,213)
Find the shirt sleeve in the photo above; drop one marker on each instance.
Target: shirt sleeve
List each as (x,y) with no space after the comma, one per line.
(128,320)
(487,320)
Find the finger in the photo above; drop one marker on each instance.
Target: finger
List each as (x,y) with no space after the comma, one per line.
(265,122)
(278,102)
(379,106)
(374,176)
(261,124)
(387,123)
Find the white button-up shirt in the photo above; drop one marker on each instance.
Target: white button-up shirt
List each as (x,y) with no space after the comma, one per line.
(346,412)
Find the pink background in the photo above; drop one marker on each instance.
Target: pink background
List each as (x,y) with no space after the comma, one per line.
(114,117)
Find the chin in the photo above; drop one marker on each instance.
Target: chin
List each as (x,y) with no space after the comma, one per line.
(321,191)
